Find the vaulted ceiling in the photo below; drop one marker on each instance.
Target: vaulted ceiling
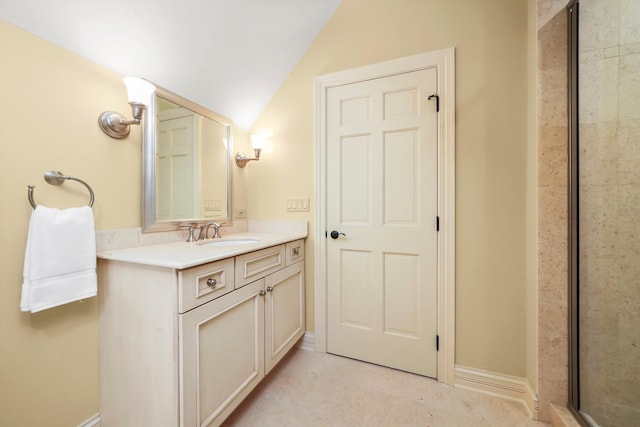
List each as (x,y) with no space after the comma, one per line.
(230,56)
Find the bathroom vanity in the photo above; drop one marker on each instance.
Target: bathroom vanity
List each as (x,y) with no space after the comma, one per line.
(187,330)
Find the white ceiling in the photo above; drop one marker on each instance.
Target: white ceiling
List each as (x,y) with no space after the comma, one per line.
(229,55)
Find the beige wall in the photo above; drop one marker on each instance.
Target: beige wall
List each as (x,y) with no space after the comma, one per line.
(490,38)
(50,100)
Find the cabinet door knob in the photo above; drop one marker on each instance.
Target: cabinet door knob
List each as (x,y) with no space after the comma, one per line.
(211,281)
(262,292)
(269,288)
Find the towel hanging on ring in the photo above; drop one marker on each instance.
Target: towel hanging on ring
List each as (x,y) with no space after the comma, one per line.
(60,258)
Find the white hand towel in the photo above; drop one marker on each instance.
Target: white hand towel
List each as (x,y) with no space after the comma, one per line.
(60,258)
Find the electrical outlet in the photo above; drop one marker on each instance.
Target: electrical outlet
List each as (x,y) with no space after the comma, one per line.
(241,213)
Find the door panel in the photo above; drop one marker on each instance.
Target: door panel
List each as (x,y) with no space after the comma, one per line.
(355,187)
(401,295)
(177,168)
(401,198)
(355,300)
(382,194)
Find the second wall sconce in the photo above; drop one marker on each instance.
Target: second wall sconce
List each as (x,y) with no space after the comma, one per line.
(257,141)
(139,92)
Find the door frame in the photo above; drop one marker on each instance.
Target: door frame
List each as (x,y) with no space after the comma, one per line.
(444,61)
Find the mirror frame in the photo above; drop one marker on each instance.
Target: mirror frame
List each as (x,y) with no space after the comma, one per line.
(150,223)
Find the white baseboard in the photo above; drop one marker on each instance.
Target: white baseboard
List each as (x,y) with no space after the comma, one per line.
(505,386)
(91,422)
(308,342)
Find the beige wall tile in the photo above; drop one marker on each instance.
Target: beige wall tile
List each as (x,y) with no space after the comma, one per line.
(598,90)
(630,48)
(601,18)
(629,87)
(629,152)
(598,155)
(598,214)
(629,28)
(552,165)
(552,215)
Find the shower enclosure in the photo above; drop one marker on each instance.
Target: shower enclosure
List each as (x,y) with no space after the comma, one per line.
(604,172)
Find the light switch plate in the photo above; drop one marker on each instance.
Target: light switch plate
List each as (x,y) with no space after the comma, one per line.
(212,205)
(298,204)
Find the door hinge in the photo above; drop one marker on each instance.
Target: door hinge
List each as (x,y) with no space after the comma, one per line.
(437,101)
(437,223)
(437,342)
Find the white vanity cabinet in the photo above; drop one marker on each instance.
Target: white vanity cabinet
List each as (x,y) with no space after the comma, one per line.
(185,347)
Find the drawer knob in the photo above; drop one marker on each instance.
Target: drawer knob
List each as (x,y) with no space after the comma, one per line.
(262,293)
(211,282)
(269,288)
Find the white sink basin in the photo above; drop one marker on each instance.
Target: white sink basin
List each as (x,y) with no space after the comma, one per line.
(228,242)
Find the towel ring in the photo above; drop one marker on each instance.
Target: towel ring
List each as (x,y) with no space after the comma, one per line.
(57,178)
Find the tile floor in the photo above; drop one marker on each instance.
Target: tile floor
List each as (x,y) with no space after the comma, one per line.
(317,389)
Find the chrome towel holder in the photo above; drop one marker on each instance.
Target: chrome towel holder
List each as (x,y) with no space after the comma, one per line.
(57,178)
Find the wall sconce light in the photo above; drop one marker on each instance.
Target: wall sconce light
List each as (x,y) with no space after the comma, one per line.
(257,141)
(139,93)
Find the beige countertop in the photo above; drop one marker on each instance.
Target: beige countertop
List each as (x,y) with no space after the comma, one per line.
(180,255)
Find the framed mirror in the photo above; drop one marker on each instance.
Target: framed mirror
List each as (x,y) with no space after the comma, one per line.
(185,164)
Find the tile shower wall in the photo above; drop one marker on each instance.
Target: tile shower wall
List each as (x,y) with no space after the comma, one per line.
(609,115)
(552,206)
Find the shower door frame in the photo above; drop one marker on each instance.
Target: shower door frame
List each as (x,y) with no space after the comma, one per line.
(573,238)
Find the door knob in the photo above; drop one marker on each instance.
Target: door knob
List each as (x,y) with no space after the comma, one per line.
(335,234)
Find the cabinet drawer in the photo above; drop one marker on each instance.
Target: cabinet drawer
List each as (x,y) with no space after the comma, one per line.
(256,265)
(294,251)
(204,283)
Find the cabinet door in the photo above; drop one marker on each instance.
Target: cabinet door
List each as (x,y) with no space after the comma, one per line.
(284,312)
(222,359)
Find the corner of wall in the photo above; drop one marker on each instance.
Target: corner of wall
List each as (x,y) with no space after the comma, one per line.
(505,386)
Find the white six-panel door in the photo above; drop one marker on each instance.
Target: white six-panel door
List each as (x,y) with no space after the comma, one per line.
(177,167)
(382,196)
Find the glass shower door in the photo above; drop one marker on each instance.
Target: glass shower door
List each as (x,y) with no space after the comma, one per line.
(608,214)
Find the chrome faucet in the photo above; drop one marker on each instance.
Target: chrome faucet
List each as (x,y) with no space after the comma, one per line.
(191,228)
(216,229)
(204,230)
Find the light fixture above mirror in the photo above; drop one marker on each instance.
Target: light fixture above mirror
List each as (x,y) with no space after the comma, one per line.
(257,141)
(139,92)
